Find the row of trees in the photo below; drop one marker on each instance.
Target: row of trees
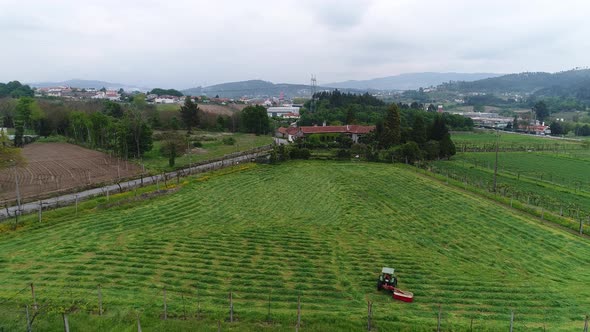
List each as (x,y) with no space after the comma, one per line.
(337,108)
(421,140)
(15,89)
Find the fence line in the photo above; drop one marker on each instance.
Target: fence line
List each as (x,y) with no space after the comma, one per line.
(21,315)
(68,199)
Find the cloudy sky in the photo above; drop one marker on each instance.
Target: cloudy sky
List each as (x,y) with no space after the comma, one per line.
(181,44)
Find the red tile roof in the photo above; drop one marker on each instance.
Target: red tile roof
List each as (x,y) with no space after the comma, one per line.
(289,130)
(350,129)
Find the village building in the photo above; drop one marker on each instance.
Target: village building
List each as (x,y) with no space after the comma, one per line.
(288,112)
(355,132)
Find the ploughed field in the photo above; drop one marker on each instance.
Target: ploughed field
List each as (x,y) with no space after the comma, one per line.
(57,167)
(318,230)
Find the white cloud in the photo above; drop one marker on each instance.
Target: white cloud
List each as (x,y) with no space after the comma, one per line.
(188,43)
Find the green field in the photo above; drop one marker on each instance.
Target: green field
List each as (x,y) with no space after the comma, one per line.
(212,148)
(560,169)
(512,140)
(319,230)
(556,192)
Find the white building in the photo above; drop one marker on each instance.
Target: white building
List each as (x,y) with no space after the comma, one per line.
(283,111)
(166,100)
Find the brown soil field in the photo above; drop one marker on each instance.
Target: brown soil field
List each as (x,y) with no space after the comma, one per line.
(61,167)
(221,109)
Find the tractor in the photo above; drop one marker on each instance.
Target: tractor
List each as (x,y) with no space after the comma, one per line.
(387,280)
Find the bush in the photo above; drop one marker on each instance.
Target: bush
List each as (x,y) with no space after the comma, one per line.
(343,154)
(300,153)
(406,153)
(229,141)
(197,144)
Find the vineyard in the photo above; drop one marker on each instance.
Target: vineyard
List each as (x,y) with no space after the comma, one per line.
(482,141)
(555,181)
(58,167)
(318,231)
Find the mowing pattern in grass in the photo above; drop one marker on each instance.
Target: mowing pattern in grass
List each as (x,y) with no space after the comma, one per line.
(321,230)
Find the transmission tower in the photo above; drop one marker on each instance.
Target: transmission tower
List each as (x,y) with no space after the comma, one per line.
(314,86)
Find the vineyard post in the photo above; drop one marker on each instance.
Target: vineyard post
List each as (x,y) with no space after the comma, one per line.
(298,313)
(586,324)
(76,205)
(99,301)
(369,314)
(269,294)
(66,324)
(183,307)
(511,319)
(34,299)
(231,307)
(108,189)
(198,305)
(118,172)
(218,325)
(471,325)
(165,307)
(28,318)
(40,208)
(138,324)
(439,317)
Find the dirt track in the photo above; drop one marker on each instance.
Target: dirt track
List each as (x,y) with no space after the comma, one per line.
(61,167)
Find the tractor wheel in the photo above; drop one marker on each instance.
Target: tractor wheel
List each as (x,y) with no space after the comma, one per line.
(379,285)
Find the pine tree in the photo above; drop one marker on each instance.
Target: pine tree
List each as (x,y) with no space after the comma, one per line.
(189,113)
(419,134)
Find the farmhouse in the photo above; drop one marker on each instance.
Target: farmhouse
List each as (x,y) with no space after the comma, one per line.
(355,132)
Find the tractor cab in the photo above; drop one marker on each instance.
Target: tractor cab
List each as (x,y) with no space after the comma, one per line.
(387,278)
(388,281)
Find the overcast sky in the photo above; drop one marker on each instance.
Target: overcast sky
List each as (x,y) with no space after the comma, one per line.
(181,44)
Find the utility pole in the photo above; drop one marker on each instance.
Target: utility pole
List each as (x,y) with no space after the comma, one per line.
(496,164)
(17,188)
(314,85)
(190,162)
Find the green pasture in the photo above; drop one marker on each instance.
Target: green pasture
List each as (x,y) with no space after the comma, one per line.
(315,229)
(212,147)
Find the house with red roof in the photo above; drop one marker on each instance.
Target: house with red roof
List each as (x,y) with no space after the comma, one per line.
(355,132)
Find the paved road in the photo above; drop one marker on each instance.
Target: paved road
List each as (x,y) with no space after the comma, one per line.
(69,199)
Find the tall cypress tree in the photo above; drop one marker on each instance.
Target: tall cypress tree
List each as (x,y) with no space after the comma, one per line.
(391,134)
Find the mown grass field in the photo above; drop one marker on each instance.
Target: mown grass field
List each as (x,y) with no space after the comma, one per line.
(213,147)
(319,230)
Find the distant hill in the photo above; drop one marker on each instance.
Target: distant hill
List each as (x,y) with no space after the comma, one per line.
(86,84)
(529,82)
(257,88)
(411,81)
